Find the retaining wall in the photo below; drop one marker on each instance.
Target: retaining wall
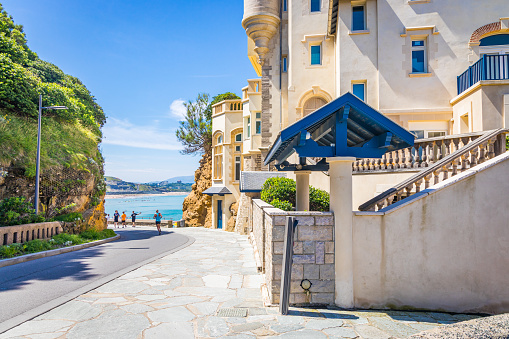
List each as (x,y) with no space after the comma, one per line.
(24,233)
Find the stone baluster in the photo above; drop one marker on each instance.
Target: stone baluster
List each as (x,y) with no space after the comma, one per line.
(371,164)
(403,158)
(355,166)
(383,163)
(408,190)
(473,157)
(417,158)
(431,153)
(440,153)
(445,170)
(448,150)
(456,142)
(482,153)
(390,164)
(424,160)
(398,159)
(427,180)
(418,184)
(491,148)
(464,162)
(454,167)
(409,160)
(378,164)
(436,177)
(380,205)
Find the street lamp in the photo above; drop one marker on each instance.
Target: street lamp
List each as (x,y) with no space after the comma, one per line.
(36,202)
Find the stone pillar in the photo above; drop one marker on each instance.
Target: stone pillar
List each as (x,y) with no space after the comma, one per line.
(340,176)
(302,179)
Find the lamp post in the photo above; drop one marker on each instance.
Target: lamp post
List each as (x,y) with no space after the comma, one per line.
(37,170)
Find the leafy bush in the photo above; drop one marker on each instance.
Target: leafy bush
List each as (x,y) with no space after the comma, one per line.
(284,205)
(94,235)
(281,193)
(69,217)
(8,251)
(64,238)
(17,211)
(319,200)
(283,189)
(37,245)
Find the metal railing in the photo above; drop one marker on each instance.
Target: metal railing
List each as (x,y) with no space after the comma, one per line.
(488,67)
(482,148)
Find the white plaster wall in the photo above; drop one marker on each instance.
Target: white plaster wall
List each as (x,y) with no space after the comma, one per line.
(444,251)
(366,186)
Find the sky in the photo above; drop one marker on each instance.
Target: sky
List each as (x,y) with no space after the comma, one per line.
(141,60)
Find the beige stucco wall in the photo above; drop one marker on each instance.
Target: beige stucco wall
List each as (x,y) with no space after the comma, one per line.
(443,251)
(484,105)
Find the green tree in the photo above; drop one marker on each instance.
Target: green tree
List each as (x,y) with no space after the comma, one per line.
(195,131)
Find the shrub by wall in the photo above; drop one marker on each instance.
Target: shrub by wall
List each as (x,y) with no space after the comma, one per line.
(281,193)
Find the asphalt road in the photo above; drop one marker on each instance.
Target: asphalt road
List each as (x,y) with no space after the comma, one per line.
(31,288)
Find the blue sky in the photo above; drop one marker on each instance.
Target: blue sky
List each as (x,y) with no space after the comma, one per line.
(141,60)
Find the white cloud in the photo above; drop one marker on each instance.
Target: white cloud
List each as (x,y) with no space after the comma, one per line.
(177,109)
(124,133)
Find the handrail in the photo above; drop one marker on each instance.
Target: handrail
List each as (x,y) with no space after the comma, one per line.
(450,162)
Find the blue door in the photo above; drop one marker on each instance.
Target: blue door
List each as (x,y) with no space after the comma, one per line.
(220,214)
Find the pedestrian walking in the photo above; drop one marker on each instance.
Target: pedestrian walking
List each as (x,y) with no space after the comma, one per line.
(115,218)
(158,216)
(123,219)
(133,218)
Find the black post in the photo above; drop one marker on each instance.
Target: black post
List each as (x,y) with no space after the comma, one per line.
(286,274)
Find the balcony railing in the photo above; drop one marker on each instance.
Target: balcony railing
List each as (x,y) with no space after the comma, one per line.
(489,67)
(227,105)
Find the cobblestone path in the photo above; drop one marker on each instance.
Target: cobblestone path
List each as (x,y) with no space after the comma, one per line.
(179,296)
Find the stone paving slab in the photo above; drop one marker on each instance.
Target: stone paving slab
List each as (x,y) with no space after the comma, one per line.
(179,295)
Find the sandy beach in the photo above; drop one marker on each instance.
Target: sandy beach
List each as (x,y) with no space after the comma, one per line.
(123,196)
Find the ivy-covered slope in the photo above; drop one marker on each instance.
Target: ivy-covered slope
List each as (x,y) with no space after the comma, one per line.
(71,161)
(70,137)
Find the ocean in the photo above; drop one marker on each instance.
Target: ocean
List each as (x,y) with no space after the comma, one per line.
(170,206)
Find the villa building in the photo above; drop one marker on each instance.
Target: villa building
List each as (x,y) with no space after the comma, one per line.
(418,62)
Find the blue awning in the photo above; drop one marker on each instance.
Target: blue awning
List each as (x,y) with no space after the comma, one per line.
(344,127)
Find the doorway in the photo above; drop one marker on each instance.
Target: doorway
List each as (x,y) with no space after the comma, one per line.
(220,214)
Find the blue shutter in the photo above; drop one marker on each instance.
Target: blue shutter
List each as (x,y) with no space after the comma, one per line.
(358,91)
(315,55)
(358,18)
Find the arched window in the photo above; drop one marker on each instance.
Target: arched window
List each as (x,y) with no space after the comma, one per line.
(313,104)
(218,157)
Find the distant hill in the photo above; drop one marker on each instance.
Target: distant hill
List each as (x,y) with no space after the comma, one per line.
(107,178)
(184,179)
(116,185)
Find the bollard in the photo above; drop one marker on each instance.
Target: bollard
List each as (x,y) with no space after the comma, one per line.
(286,272)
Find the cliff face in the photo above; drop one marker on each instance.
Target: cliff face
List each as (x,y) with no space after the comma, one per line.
(58,191)
(197,207)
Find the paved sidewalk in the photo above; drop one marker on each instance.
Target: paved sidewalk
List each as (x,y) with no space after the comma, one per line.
(179,296)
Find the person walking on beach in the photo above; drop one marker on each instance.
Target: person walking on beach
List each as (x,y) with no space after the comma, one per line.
(133,218)
(123,219)
(116,216)
(158,216)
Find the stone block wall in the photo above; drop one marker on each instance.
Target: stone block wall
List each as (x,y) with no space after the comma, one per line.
(27,232)
(313,253)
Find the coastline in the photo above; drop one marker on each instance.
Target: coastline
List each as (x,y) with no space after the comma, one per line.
(123,196)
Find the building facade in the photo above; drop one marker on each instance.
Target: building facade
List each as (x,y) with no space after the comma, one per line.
(435,67)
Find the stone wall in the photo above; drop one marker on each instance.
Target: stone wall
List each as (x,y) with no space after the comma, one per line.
(24,233)
(313,253)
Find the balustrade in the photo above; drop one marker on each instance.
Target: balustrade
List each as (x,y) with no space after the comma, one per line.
(440,159)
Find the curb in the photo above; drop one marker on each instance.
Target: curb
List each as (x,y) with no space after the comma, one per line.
(50,253)
(29,315)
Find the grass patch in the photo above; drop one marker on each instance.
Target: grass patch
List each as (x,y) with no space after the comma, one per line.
(57,241)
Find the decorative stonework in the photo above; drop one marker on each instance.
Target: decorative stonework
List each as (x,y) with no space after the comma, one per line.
(483,31)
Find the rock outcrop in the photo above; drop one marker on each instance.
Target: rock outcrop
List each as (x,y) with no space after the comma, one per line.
(197,207)
(230,226)
(58,191)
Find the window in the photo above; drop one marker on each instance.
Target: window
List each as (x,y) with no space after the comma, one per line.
(237,149)
(285,64)
(359,90)
(258,125)
(218,158)
(248,127)
(315,5)
(238,137)
(358,18)
(436,134)
(421,134)
(313,104)
(316,54)
(419,56)
(237,168)
(285,5)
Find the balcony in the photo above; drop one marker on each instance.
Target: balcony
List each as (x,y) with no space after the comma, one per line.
(227,106)
(489,67)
